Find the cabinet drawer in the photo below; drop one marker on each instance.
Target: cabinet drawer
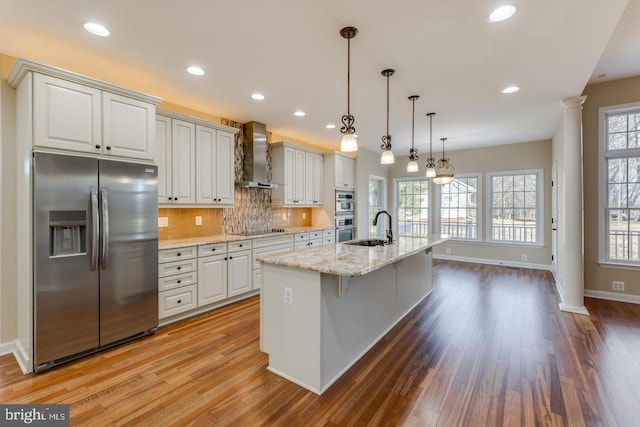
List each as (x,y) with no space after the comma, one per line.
(212,249)
(168,255)
(301,245)
(329,240)
(240,245)
(299,237)
(315,242)
(315,234)
(329,233)
(177,267)
(177,301)
(270,250)
(172,282)
(271,241)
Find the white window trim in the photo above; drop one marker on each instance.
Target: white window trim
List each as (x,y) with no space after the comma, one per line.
(383,196)
(539,206)
(479,213)
(603,191)
(430,213)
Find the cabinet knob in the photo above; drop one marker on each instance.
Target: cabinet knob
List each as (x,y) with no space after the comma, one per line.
(175,198)
(230,257)
(179,301)
(179,253)
(97,146)
(108,147)
(179,281)
(170,198)
(179,268)
(213,249)
(226,258)
(240,245)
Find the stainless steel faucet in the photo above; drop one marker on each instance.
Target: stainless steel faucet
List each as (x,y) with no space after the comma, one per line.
(389,231)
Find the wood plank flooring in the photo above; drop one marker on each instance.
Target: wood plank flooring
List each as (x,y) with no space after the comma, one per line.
(489,347)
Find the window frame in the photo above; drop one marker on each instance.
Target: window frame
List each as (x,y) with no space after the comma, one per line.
(437,213)
(540,220)
(383,197)
(603,180)
(396,202)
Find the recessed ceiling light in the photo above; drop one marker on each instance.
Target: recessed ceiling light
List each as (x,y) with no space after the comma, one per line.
(299,113)
(96,29)
(330,126)
(511,89)
(196,71)
(503,12)
(257,96)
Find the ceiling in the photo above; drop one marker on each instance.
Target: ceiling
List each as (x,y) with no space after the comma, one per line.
(291,51)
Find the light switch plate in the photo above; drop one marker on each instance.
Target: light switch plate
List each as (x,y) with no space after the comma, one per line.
(163,221)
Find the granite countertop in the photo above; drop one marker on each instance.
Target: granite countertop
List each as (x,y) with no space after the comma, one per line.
(222,238)
(342,259)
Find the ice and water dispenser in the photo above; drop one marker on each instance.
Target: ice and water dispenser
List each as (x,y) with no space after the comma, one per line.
(67,233)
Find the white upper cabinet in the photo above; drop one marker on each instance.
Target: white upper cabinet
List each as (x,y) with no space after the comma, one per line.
(77,114)
(128,127)
(214,166)
(344,172)
(298,172)
(195,161)
(66,115)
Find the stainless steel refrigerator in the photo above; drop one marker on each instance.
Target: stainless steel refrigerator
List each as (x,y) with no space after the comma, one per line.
(95,255)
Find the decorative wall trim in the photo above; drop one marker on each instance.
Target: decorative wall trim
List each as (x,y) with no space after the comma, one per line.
(546,267)
(12,347)
(612,296)
(196,120)
(7,348)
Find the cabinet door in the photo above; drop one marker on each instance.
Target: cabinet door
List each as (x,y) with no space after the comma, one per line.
(345,169)
(349,173)
(206,165)
(128,127)
(309,180)
(183,162)
(163,159)
(299,179)
(225,149)
(212,279)
(66,115)
(289,176)
(318,179)
(239,272)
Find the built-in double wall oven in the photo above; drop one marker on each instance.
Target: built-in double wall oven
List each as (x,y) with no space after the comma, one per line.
(345,213)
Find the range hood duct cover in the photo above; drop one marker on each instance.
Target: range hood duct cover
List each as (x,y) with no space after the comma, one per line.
(254,163)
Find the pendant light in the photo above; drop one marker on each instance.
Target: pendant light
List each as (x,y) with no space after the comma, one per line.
(444,171)
(431,162)
(412,166)
(348,142)
(387,157)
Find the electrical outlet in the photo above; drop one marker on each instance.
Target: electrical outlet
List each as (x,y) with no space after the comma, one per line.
(198,220)
(288,296)
(304,215)
(448,251)
(617,285)
(524,257)
(163,221)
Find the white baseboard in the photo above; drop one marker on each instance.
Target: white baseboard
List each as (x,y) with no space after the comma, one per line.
(612,296)
(14,347)
(530,265)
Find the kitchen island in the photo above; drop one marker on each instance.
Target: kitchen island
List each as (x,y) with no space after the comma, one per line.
(323,308)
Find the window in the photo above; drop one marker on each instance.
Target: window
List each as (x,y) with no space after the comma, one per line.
(459,207)
(622,166)
(515,207)
(412,207)
(377,202)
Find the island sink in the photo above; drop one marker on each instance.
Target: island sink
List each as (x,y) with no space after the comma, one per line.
(368,242)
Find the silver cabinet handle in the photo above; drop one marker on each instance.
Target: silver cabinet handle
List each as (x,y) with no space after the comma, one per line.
(95,214)
(105,228)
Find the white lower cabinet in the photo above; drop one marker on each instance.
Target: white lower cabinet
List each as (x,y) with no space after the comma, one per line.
(212,279)
(239,272)
(268,246)
(176,301)
(177,281)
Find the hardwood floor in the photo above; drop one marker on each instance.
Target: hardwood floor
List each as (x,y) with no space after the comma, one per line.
(488,347)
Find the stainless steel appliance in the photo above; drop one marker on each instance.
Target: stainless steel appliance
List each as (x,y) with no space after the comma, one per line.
(95,255)
(345,228)
(345,202)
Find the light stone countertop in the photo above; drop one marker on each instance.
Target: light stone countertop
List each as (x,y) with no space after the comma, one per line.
(342,259)
(222,238)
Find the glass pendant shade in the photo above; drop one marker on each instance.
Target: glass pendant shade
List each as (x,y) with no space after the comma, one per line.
(431,171)
(444,171)
(412,166)
(348,143)
(387,157)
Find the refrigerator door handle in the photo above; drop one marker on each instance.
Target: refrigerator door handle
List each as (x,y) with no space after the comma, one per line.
(105,228)
(95,213)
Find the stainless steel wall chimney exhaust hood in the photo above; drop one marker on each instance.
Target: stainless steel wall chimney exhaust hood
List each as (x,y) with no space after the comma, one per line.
(254,165)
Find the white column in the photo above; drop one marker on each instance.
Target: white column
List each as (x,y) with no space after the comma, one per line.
(571,253)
